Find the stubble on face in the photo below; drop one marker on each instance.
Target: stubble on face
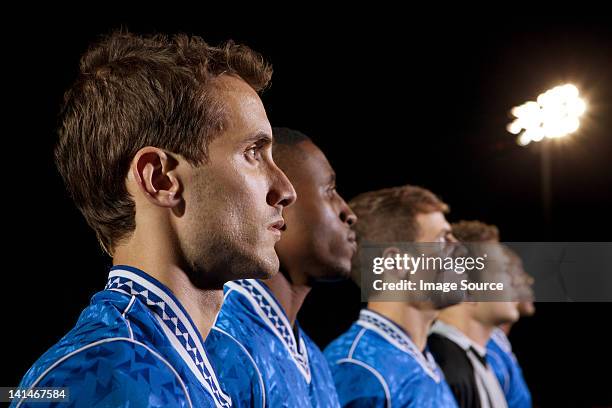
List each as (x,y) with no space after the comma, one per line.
(224,233)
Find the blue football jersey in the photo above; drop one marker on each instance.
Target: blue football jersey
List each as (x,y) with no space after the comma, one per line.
(260,359)
(376,364)
(133,346)
(508,371)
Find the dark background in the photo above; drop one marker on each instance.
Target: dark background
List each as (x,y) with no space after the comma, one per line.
(416,99)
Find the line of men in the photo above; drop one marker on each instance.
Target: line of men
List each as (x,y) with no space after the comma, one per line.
(218,227)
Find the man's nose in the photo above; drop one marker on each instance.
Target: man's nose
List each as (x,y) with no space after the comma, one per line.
(346,214)
(281,194)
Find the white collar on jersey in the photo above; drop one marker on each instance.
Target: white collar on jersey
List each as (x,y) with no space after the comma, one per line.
(175,322)
(457,337)
(273,315)
(500,338)
(400,339)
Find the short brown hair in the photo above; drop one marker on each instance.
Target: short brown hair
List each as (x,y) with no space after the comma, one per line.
(136,91)
(475,231)
(389,215)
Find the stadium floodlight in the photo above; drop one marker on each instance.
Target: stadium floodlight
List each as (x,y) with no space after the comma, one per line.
(555,114)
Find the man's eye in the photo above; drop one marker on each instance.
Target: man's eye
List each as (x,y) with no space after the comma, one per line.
(253,153)
(445,238)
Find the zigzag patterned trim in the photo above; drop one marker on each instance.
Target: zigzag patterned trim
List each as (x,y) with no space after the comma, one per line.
(150,294)
(273,316)
(399,339)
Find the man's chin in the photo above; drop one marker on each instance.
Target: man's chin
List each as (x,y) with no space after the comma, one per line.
(257,266)
(439,301)
(267,268)
(266,274)
(526,308)
(510,319)
(344,273)
(335,273)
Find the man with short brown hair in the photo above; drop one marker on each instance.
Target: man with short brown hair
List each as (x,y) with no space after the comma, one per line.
(165,148)
(382,360)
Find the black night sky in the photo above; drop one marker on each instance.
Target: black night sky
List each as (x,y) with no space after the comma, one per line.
(423,101)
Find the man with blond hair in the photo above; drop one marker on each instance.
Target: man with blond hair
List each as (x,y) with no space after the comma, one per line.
(460,336)
(499,350)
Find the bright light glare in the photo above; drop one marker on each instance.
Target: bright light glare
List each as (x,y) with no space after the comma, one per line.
(556,114)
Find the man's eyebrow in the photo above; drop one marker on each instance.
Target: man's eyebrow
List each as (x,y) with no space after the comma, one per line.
(332,178)
(258,137)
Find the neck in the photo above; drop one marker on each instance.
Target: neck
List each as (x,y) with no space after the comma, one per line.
(474,330)
(414,320)
(159,261)
(506,327)
(290,295)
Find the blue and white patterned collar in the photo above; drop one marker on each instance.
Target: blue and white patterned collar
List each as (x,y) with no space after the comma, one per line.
(175,322)
(272,314)
(499,337)
(399,338)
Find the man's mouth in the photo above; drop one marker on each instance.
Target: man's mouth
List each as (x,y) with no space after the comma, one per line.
(277,227)
(352,239)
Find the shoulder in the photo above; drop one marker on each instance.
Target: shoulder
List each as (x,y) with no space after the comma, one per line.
(365,345)
(98,324)
(224,349)
(452,360)
(446,352)
(457,368)
(345,344)
(236,368)
(500,341)
(314,352)
(110,372)
(359,383)
(237,315)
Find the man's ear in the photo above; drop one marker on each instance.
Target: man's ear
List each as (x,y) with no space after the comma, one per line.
(391,252)
(153,171)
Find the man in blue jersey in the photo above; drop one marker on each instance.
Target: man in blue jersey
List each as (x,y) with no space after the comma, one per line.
(499,350)
(165,148)
(382,360)
(263,357)
(507,370)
